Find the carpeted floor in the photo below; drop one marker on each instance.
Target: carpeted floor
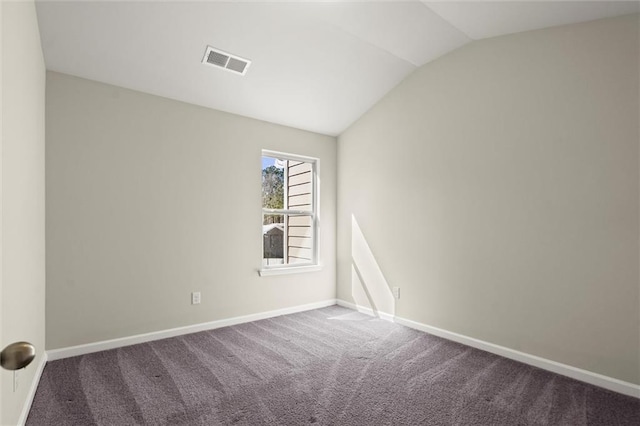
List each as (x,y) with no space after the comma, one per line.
(329,366)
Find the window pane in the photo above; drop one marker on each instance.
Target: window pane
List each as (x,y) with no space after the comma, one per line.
(287,239)
(299,186)
(299,239)
(273,240)
(272,183)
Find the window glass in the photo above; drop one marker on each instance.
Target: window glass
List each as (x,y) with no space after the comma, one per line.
(289,217)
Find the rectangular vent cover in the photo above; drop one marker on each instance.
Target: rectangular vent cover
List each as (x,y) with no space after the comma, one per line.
(221,59)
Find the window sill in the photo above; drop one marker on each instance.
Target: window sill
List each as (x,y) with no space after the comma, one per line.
(289,270)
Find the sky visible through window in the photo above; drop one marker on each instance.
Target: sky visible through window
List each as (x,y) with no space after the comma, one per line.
(267,161)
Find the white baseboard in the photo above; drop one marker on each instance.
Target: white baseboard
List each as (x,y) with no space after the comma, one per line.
(365,310)
(586,376)
(56,354)
(32,390)
(386,317)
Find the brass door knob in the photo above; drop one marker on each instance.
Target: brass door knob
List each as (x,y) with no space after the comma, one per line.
(17,355)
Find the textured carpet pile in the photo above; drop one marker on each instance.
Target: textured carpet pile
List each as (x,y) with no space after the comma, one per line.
(329,366)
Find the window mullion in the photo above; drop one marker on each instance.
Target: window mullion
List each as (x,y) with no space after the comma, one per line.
(285,234)
(289,212)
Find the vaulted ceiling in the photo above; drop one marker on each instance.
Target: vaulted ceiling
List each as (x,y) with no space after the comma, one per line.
(316,65)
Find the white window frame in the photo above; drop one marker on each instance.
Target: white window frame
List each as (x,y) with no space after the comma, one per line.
(314,264)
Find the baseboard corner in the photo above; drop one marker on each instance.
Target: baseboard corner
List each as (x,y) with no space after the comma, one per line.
(365,310)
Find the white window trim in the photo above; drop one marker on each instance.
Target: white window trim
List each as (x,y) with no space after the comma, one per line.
(314,265)
(287,269)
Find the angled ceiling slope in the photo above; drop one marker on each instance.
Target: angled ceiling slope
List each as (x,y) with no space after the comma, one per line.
(316,66)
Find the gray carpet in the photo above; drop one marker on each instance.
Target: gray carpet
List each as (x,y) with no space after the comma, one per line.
(329,366)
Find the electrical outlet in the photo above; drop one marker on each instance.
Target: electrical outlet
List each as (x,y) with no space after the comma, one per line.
(396,292)
(195,298)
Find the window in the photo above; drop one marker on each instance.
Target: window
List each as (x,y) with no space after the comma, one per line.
(289,212)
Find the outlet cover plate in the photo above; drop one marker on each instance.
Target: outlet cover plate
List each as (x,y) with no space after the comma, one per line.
(396,292)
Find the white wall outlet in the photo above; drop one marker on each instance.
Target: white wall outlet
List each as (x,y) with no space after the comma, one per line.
(195,298)
(396,292)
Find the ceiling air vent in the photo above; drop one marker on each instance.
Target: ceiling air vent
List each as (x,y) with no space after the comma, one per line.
(222,59)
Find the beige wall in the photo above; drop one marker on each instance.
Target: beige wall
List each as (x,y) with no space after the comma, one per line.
(149,199)
(23,150)
(498,187)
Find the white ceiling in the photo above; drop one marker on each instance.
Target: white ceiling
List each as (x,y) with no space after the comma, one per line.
(316,65)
